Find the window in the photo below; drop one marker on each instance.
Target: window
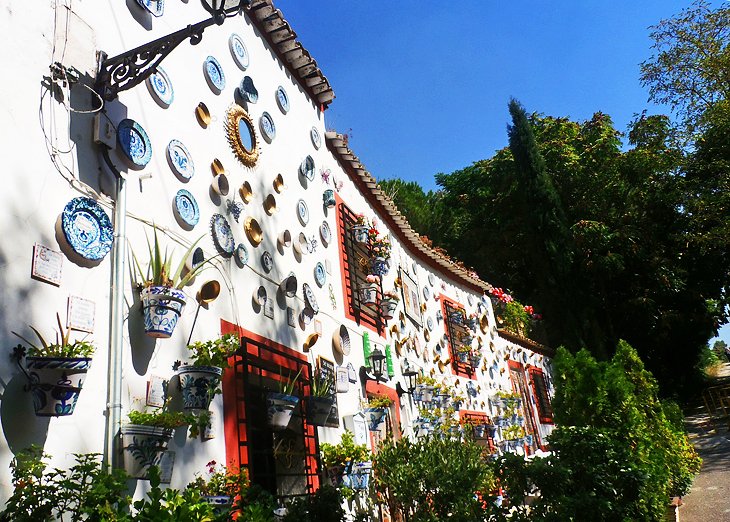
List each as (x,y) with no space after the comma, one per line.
(458,336)
(542,397)
(355,262)
(475,418)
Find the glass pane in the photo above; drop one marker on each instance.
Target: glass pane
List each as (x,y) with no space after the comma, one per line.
(245,135)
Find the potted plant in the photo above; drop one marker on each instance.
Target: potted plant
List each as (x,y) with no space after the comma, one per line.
(146,436)
(375,412)
(425,387)
(508,401)
(474,358)
(388,304)
(457,317)
(200,380)
(338,458)
(360,229)
(221,486)
(369,290)
(161,289)
(472,322)
(281,404)
(380,248)
(320,400)
(56,371)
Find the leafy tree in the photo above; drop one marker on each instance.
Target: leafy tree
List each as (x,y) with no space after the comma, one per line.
(689,71)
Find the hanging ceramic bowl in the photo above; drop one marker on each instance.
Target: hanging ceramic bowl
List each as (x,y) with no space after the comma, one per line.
(134,144)
(267,261)
(220,185)
(246,192)
(301,245)
(248,90)
(302,212)
(282,99)
(253,231)
(238,51)
(216,167)
(284,238)
(341,340)
(259,296)
(311,340)
(87,228)
(241,254)
(320,275)
(214,75)
(306,168)
(309,300)
(279,185)
(160,87)
(289,285)
(222,235)
(195,259)
(270,204)
(186,209)
(202,114)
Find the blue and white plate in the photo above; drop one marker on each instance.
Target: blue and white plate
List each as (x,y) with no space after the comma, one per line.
(431,279)
(214,74)
(320,275)
(248,90)
(316,138)
(325,233)
(427,292)
(134,142)
(160,87)
(222,235)
(242,254)
(302,212)
(155,7)
(306,168)
(87,228)
(238,51)
(429,323)
(186,208)
(282,99)
(267,261)
(268,130)
(180,160)
(309,300)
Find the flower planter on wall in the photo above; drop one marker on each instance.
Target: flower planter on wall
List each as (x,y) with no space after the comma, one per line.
(161,307)
(424,393)
(318,409)
(368,294)
(387,308)
(380,266)
(198,385)
(360,233)
(375,417)
(280,409)
(360,476)
(143,447)
(55,383)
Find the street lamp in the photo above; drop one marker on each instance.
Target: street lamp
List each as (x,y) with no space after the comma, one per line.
(377,366)
(124,71)
(410,375)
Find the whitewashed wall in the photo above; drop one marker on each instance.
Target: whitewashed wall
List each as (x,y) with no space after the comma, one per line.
(49,158)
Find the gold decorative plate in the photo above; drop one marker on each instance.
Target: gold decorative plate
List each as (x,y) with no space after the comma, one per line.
(253,231)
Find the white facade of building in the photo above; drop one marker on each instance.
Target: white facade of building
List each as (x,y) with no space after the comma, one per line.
(50,158)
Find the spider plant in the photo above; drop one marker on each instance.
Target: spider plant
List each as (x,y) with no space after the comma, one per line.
(61,348)
(159,270)
(321,385)
(286,386)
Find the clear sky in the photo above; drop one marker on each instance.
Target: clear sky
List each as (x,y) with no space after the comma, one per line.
(422,86)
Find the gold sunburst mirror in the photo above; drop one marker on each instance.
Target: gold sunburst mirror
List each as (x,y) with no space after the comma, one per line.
(242,136)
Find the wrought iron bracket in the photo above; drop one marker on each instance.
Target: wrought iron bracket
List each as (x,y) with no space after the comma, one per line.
(131,68)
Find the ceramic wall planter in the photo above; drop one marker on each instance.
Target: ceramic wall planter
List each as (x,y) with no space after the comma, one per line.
(280,409)
(161,307)
(375,417)
(143,447)
(328,197)
(318,409)
(380,266)
(369,294)
(220,503)
(387,308)
(336,475)
(198,385)
(360,233)
(424,393)
(360,476)
(56,383)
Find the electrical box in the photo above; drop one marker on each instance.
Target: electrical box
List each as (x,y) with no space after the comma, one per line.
(104,132)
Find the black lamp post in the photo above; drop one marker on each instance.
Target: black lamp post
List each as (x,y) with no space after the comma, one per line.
(126,70)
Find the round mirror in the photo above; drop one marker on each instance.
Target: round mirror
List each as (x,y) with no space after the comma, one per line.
(242,136)
(245,135)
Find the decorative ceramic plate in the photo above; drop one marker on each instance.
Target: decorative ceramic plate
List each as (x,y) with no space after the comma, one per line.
(160,87)
(302,212)
(306,169)
(267,261)
(429,323)
(309,298)
(180,160)
(135,143)
(248,90)
(266,124)
(325,233)
(222,234)
(186,208)
(155,7)
(238,51)
(242,254)
(214,74)
(431,279)
(320,275)
(87,228)
(426,293)
(282,99)
(316,138)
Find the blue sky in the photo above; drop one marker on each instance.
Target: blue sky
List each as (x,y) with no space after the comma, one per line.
(422,87)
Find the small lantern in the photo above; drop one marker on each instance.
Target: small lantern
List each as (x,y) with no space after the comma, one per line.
(377,363)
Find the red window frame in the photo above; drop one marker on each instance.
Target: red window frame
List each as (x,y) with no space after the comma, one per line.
(460,369)
(542,397)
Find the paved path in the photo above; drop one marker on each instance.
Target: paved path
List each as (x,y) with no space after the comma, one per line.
(709,498)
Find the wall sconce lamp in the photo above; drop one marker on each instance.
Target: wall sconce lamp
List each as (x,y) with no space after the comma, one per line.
(376,369)
(410,376)
(124,71)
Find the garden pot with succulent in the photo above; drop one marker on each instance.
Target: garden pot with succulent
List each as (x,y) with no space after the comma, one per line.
(160,289)
(281,404)
(200,381)
(376,410)
(55,371)
(319,403)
